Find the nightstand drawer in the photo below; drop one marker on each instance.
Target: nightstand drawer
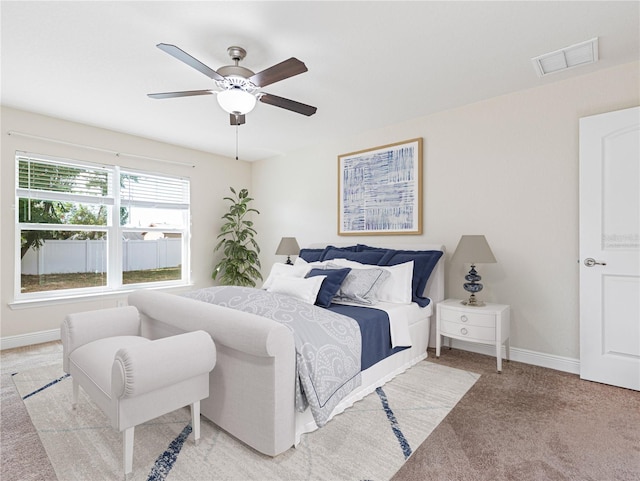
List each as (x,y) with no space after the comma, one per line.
(473,319)
(461,331)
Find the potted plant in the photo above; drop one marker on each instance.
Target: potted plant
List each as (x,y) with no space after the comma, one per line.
(240,264)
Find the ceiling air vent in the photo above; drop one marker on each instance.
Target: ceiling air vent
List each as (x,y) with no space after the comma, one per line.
(579,54)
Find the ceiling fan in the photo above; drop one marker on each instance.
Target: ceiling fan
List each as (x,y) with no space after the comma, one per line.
(240,88)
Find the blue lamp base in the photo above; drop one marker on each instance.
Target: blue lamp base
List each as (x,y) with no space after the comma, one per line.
(473,286)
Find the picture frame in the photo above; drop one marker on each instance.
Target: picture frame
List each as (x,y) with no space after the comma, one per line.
(380,190)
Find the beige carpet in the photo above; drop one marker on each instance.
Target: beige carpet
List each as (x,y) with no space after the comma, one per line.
(369,441)
(530,424)
(22,455)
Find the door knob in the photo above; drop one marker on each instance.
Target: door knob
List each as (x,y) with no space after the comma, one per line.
(590,262)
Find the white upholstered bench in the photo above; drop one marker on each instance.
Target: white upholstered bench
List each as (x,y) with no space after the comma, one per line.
(133,379)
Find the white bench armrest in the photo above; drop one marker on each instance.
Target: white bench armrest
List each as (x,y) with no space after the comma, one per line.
(81,328)
(160,363)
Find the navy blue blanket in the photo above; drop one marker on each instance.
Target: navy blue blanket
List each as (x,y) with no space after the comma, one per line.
(374,326)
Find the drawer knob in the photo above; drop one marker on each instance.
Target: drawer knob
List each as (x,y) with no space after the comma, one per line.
(464,318)
(464,331)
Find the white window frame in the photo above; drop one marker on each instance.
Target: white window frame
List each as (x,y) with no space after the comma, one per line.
(113,229)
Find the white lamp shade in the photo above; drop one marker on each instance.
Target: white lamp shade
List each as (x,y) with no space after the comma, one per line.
(236,101)
(474,249)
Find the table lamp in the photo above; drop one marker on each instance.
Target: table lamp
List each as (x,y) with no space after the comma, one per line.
(288,247)
(473,249)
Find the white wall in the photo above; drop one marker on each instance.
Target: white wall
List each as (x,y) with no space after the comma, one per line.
(210,181)
(506,168)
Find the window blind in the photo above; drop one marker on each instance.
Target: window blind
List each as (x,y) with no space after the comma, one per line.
(49,179)
(146,190)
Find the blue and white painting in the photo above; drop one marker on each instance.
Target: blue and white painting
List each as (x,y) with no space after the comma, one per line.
(380,190)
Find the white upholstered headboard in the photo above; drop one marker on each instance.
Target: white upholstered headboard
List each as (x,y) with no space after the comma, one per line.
(435,286)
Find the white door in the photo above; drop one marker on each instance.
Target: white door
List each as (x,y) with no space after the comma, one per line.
(610,248)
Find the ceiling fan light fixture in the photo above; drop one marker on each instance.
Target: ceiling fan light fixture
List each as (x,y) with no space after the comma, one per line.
(239,87)
(236,101)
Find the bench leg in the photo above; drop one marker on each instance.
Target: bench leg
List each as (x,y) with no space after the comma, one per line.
(75,389)
(195,421)
(127,441)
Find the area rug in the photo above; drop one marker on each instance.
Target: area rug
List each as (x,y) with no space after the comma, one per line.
(369,441)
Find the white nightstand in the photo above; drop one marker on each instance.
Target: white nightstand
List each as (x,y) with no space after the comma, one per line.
(488,324)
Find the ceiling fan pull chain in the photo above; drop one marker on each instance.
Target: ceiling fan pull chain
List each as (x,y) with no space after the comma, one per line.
(237,138)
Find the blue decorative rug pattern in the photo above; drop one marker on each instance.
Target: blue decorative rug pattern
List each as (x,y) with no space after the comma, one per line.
(369,441)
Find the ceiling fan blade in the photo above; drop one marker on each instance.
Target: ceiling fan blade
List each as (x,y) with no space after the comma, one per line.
(185,93)
(278,72)
(189,60)
(236,119)
(292,105)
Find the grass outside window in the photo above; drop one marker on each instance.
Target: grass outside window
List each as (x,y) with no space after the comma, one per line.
(54,282)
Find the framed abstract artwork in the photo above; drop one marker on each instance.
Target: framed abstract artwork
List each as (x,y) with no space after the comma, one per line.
(380,190)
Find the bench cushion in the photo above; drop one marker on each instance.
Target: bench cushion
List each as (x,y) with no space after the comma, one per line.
(94,360)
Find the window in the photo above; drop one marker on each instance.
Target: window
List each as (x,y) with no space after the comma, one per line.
(84,228)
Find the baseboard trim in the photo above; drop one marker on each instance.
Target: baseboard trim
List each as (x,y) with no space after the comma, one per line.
(541,359)
(29,339)
(551,361)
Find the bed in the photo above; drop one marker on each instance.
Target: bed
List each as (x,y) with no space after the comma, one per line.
(255,389)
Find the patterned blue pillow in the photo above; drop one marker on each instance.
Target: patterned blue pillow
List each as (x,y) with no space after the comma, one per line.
(331,285)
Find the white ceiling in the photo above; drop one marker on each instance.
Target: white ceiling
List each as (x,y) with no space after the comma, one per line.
(370,64)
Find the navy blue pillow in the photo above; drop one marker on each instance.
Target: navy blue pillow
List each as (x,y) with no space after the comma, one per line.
(310,255)
(335,252)
(331,285)
(364,247)
(372,257)
(423,264)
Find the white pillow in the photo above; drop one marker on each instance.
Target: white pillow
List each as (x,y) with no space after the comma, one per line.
(397,288)
(305,289)
(279,269)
